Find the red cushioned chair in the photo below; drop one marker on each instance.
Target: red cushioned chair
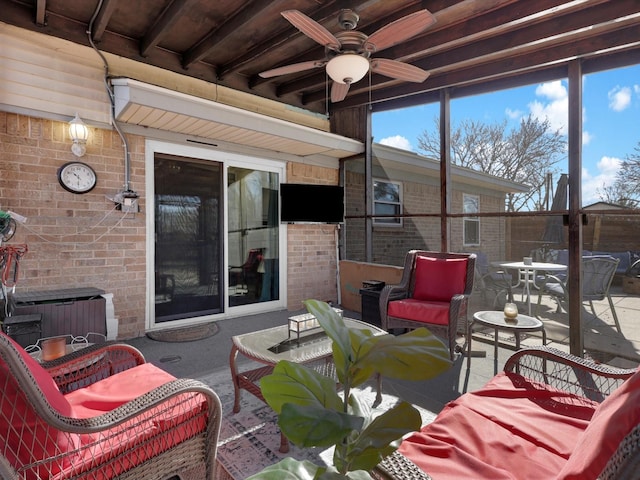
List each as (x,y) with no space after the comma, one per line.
(101,413)
(433,293)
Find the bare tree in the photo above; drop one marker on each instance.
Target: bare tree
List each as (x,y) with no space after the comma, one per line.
(625,190)
(525,154)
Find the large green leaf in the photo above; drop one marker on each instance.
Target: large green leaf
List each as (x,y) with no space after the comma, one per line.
(289,469)
(417,355)
(311,426)
(294,383)
(381,436)
(363,342)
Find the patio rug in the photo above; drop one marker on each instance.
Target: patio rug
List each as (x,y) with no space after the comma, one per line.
(250,439)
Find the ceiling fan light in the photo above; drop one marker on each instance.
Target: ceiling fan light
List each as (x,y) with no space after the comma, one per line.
(347,68)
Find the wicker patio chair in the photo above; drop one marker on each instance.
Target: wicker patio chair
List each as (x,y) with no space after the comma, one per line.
(90,415)
(494,280)
(597,276)
(433,293)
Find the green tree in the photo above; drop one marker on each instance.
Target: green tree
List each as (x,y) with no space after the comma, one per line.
(525,154)
(625,190)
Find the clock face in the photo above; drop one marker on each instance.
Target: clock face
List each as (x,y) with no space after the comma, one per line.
(77,177)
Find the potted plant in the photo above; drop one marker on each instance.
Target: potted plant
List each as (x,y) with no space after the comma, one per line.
(315,412)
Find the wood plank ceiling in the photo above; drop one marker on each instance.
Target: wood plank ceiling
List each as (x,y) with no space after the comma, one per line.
(474,46)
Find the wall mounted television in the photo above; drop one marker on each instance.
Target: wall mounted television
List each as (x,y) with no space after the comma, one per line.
(303,203)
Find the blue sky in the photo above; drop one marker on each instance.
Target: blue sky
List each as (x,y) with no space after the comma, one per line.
(611,119)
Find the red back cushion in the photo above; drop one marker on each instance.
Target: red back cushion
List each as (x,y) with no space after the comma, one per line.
(611,422)
(29,438)
(439,279)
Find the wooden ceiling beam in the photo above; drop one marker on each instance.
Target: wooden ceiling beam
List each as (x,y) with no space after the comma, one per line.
(202,48)
(102,20)
(162,26)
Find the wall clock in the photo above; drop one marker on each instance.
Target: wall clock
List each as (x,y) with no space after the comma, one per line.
(77,177)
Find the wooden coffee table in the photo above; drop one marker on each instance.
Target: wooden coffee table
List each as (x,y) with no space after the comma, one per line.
(271,345)
(497,321)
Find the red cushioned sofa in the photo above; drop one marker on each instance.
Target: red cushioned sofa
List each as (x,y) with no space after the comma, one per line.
(101,413)
(549,415)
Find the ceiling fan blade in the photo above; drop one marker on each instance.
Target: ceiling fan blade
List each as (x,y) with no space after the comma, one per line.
(399,31)
(293,68)
(312,29)
(398,70)
(339,91)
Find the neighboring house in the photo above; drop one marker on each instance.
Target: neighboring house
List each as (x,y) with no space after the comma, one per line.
(408,184)
(604,206)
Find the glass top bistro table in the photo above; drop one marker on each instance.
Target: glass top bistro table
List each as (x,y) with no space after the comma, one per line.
(269,346)
(497,321)
(527,274)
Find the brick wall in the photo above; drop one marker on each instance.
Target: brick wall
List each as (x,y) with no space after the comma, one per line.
(75,240)
(312,262)
(390,244)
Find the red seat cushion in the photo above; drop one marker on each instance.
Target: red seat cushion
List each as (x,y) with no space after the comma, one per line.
(139,439)
(439,279)
(509,429)
(436,313)
(618,414)
(30,438)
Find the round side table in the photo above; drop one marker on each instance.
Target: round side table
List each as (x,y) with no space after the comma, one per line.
(497,321)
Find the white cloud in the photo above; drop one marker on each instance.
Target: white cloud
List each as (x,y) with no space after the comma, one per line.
(619,98)
(636,88)
(607,168)
(397,141)
(552,90)
(586,137)
(513,114)
(555,112)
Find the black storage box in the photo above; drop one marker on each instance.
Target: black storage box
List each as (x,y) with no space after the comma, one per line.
(72,311)
(370,306)
(24,329)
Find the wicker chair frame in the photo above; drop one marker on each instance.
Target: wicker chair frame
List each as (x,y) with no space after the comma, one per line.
(457,308)
(549,366)
(193,458)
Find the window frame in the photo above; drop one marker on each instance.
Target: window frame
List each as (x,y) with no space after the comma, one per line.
(392,222)
(468,219)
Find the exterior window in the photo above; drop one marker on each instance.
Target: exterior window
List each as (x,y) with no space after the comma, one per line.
(471,225)
(387,200)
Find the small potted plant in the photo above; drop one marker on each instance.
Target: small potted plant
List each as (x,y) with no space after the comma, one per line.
(315,411)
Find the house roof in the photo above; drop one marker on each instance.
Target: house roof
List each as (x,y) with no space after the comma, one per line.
(474,46)
(416,166)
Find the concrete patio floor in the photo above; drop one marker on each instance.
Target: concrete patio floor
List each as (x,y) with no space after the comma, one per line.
(201,357)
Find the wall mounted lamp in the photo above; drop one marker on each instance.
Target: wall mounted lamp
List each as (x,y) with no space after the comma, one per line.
(347,68)
(79,134)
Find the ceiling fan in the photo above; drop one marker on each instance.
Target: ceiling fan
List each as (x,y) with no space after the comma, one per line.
(348,52)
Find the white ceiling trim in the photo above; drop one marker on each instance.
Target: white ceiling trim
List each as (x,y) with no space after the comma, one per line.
(146,105)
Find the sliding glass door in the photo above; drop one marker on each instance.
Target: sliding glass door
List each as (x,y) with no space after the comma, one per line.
(188,233)
(253,236)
